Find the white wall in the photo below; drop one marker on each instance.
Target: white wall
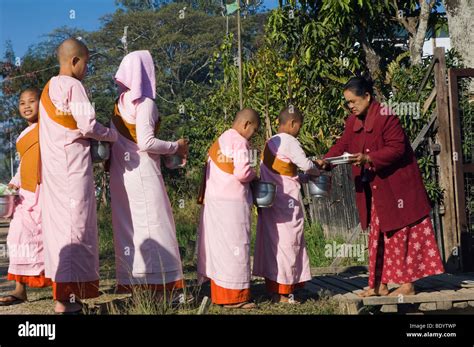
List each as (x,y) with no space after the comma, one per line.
(440,42)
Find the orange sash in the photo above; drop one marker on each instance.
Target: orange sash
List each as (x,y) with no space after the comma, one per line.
(276,165)
(28,148)
(223,162)
(62,118)
(127,130)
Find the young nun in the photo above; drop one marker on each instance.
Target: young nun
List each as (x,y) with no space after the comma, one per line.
(25,239)
(146,248)
(280,250)
(69,221)
(224,231)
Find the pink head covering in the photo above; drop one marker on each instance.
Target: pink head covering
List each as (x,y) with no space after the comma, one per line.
(137,73)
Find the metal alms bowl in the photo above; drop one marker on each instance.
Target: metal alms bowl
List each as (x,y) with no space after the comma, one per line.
(320,186)
(174,161)
(100,151)
(263,193)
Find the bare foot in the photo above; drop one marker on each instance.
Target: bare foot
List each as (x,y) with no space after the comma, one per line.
(380,290)
(67,307)
(404,289)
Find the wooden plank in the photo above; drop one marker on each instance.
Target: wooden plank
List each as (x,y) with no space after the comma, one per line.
(429,101)
(450,232)
(466,72)
(427,306)
(434,60)
(419,298)
(343,283)
(455,280)
(447,277)
(205,304)
(389,309)
(357,281)
(350,303)
(421,135)
(352,297)
(350,306)
(466,290)
(440,284)
(327,286)
(461,304)
(444,305)
(427,284)
(313,288)
(325,270)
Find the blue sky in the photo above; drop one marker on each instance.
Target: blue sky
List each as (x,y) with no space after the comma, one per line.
(25,22)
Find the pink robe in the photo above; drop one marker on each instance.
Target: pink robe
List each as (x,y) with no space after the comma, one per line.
(280,249)
(146,248)
(25,239)
(67,191)
(224,231)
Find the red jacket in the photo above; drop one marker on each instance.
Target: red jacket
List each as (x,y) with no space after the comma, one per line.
(395,181)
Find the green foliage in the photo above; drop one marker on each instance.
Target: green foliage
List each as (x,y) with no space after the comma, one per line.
(403,81)
(300,53)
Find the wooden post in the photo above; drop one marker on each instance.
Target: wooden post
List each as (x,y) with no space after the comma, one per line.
(451,241)
(239,40)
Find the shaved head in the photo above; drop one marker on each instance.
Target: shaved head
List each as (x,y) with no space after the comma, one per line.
(247,114)
(290,113)
(71,48)
(246,122)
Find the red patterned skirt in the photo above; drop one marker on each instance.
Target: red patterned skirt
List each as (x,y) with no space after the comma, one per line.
(404,255)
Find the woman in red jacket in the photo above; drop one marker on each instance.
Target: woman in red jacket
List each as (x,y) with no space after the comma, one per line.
(390,194)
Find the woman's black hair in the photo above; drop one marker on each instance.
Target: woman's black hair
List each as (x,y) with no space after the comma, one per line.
(359,86)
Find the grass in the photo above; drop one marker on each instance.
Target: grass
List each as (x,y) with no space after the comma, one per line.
(143,302)
(186,215)
(317,244)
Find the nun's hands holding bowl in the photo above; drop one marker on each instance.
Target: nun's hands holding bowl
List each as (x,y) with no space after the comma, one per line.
(323,164)
(12,186)
(183,148)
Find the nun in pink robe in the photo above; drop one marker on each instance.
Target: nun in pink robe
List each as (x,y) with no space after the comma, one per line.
(224,231)
(25,239)
(146,248)
(67,196)
(280,251)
